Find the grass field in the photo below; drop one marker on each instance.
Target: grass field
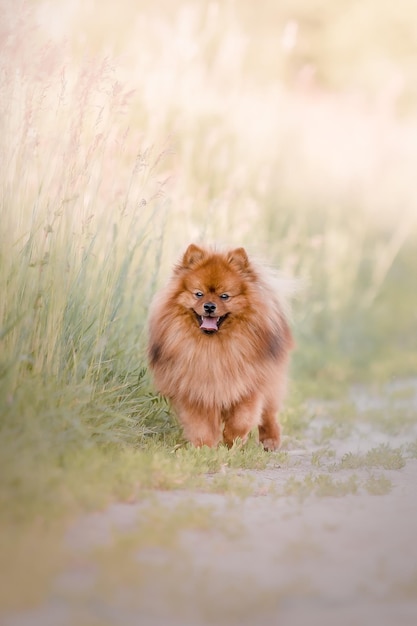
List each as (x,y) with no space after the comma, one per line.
(128,131)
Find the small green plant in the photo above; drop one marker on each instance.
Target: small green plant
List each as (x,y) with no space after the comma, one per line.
(319,457)
(383,457)
(378,485)
(411,450)
(322,485)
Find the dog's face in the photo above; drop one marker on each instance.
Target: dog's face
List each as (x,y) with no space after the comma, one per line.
(213,287)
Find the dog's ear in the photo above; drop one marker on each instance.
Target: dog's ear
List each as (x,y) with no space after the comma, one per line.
(238,258)
(192,256)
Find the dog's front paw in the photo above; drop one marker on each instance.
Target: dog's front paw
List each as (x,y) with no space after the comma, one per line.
(271,444)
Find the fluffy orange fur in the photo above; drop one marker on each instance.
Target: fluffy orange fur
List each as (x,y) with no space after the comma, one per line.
(219,345)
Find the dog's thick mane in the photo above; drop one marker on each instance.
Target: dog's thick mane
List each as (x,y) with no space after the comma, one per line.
(248,352)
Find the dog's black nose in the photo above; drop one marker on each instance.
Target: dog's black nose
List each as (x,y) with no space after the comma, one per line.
(209,307)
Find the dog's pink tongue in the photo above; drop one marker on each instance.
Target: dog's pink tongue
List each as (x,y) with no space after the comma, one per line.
(209,323)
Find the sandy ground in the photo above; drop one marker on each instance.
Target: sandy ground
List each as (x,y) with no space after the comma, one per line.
(270,558)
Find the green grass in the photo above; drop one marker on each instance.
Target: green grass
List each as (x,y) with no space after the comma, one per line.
(321,485)
(108,171)
(378,485)
(321,455)
(326,485)
(411,449)
(384,456)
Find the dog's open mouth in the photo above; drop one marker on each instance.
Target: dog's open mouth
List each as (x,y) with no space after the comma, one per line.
(210,324)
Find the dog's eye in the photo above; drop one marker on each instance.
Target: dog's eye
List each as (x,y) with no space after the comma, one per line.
(224,296)
(198,294)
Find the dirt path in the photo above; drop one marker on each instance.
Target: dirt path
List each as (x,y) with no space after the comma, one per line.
(328,538)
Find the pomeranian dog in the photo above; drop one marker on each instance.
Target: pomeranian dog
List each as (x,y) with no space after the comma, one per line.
(219,345)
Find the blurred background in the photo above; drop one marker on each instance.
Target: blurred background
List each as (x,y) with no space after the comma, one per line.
(130,128)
